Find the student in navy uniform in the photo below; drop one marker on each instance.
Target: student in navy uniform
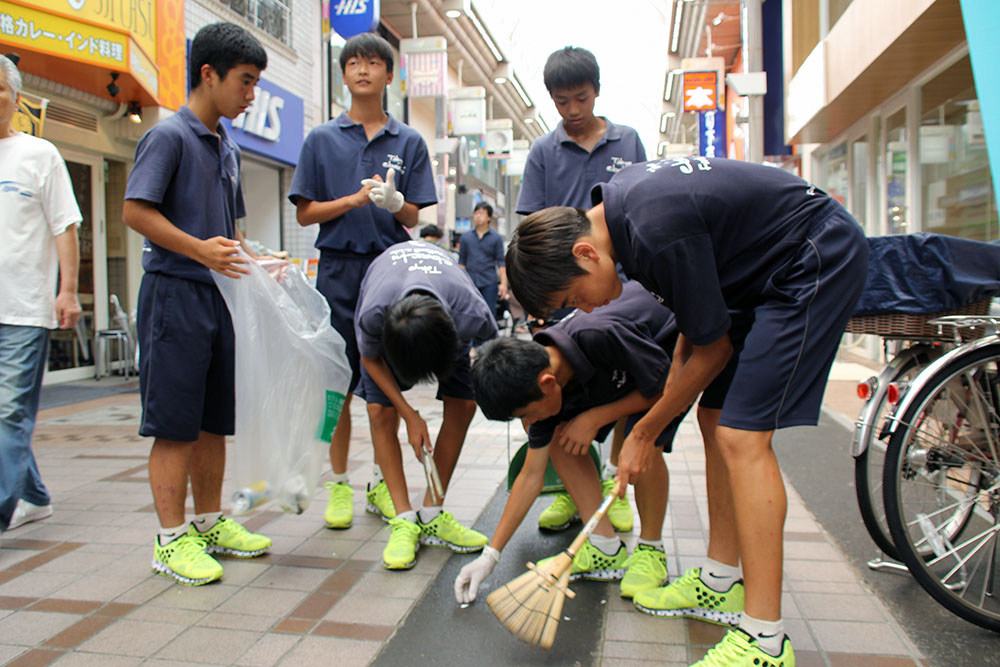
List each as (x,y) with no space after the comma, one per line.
(584,374)
(362,177)
(582,151)
(417,318)
(184,196)
(762,271)
(480,253)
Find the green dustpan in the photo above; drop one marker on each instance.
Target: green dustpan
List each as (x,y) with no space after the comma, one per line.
(552,483)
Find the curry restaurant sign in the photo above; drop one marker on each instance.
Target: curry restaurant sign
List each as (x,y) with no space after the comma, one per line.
(137,17)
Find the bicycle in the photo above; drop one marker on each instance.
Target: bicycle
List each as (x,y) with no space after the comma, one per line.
(941,476)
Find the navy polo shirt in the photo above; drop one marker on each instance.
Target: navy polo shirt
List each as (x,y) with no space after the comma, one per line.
(193,178)
(705,235)
(481,256)
(337,156)
(613,350)
(419,266)
(559,172)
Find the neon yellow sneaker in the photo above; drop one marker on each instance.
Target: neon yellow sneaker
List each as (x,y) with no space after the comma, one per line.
(380,501)
(738,648)
(690,597)
(592,563)
(400,552)
(230,537)
(559,514)
(620,512)
(340,506)
(445,531)
(646,568)
(185,560)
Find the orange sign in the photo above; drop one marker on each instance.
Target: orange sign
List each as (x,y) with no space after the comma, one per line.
(700,91)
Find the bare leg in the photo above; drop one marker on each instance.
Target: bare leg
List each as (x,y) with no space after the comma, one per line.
(651,492)
(760,503)
(723,544)
(617,438)
(168,479)
(385,439)
(207,466)
(340,443)
(458,414)
(582,483)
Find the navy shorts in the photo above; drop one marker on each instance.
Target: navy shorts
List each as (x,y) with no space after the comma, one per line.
(456,385)
(338,279)
(784,348)
(186,359)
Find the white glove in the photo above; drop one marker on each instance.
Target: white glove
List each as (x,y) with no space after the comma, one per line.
(473,574)
(384,194)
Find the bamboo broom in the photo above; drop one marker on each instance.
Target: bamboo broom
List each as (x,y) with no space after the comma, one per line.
(530,606)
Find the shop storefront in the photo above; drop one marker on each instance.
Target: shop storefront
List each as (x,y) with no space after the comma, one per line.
(96,76)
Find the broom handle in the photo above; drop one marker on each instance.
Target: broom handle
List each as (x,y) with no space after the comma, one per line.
(594,519)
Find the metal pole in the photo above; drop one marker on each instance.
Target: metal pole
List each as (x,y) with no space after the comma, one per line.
(754,62)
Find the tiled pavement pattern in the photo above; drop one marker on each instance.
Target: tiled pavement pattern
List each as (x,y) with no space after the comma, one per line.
(76,589)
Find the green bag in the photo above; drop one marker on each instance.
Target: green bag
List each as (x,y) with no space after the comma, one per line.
(552,483)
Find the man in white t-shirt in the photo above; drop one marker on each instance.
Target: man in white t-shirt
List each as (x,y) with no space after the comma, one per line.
(38,221)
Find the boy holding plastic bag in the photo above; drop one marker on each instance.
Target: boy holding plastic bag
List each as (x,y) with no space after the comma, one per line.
(417,317)
(184,196)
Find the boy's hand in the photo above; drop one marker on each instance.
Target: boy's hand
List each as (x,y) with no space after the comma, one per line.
(384,193)
(576,435)
(361,197)
(67,309)
(634,458)
(222,255)
(417,434)
(472,575)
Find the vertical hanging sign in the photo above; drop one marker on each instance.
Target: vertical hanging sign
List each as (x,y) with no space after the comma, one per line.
(712,133)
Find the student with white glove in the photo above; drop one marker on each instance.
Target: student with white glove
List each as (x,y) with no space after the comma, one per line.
(473,574)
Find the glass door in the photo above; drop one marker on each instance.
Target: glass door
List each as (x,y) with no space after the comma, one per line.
(71,350)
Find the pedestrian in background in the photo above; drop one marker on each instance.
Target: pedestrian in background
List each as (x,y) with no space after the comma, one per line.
(362,177)
(38,220)
(184,196)
(480,252)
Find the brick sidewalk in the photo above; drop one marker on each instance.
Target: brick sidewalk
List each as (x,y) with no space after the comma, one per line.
(76,589)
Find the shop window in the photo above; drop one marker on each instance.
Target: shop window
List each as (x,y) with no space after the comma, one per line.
(895,173)
(958,196)
(833,170)
(859,186)
(272,16)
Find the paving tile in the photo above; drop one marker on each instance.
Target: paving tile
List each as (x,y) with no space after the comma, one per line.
(315,606)
(267,651)
(848,637)
(262,602)
(205,598)
(37,584)
(342,580)
(292,578)
(311,651)
(824,606)
(35,658)
(705,634)
(8,652)
(98,586)
(857,660)
(385,584)
(644,652)
(819,571)
(186,617)
(65,606)
(379,633)
(74,659)
(353,608)
(221,619)
(30,628)
(137,638)
(295,626)
(215,645)
(637,627)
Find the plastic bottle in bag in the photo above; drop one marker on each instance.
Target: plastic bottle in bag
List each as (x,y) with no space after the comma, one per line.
(295,495)
(251,496)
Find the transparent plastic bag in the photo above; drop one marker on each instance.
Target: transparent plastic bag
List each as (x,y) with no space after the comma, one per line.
(291,378)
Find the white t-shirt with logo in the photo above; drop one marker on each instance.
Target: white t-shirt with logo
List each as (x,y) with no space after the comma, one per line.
(36,205)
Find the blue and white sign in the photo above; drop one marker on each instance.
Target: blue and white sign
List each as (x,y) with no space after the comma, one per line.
(712,133)
(273,126)
(353,17)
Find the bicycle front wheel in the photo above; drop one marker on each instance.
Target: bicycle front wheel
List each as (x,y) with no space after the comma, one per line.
(942,486)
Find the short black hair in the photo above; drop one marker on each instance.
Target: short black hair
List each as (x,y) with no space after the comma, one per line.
(223,46)
(484,205)
(505,376)
(540,258)
(431,230)
(570,67)
(419,339)
(367,45)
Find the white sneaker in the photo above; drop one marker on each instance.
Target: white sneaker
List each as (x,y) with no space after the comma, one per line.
(26,512)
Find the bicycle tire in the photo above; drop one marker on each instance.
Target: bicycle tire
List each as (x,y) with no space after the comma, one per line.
(869,465)
(942,481)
